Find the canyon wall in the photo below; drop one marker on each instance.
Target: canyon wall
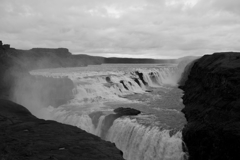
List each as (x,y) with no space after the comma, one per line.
(212,107)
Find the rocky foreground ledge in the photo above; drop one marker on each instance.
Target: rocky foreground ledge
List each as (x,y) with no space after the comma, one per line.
(25,137)
(212,108)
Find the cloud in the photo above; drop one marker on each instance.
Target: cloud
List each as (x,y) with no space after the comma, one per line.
(129,28)
(229,5)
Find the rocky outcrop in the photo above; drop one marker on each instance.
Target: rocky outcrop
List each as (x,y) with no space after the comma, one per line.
(4,46)
(25,137)
(212,108)
(121,111)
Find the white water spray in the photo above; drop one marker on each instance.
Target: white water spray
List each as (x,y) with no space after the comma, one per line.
(139,142)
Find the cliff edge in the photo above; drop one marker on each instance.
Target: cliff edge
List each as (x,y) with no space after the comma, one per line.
(25,137)
(212,107)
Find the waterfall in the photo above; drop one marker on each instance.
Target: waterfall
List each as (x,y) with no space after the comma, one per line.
(98,130)
(139,142)
(104,86)
(82,121)
(113,87)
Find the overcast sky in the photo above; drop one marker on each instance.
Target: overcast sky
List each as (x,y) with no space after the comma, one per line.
(123,28)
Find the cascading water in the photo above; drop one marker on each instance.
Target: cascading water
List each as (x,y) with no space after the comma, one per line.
(153,135)
(145,143)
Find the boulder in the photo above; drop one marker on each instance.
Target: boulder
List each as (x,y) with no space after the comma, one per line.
(126,111)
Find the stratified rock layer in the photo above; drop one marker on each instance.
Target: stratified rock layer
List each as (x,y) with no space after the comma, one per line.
(25,137)
(212,108)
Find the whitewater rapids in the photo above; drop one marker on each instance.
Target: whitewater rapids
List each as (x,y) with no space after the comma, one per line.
(144,137)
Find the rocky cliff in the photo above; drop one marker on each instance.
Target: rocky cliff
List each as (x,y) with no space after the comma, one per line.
(212,107)
(25,137)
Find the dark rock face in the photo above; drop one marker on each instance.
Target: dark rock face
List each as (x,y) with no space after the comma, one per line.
(108,79)
(6,46)
(123,83)
(127,111)
(24,137)
(140,75)
(212,108)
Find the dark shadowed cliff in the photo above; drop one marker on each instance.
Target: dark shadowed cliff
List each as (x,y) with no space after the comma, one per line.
(25,137)
(212,107)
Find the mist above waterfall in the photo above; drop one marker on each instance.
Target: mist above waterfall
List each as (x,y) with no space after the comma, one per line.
(28,93)
(36,92)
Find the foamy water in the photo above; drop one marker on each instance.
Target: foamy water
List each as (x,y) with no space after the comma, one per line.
(155,134)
